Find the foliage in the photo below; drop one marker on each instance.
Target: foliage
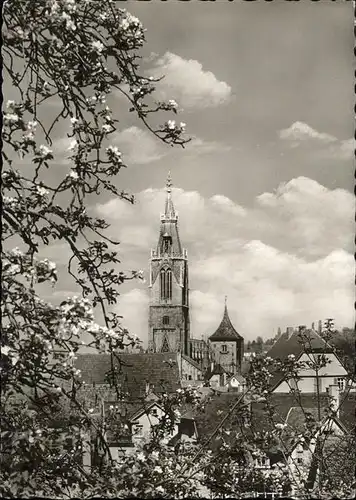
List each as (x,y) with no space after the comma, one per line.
(63,59)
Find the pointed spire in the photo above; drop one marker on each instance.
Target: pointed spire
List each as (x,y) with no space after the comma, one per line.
(169,211)
(225,330)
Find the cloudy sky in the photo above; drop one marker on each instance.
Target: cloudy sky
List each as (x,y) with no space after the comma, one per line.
(264,189)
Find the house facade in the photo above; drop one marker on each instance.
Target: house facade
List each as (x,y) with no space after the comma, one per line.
(320,365)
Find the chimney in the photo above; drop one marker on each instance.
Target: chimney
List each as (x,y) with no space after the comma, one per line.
(334,393)
(313,326)
(289,331)
(320,327)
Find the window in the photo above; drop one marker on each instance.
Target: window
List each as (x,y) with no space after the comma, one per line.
(165,345)
(167,243)
(224,348)
(262,462)
(340,382)
(138,430)
(166,320)
(166,284)
(59,355)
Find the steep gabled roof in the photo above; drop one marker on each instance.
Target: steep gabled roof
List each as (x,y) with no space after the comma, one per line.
(217,370)
(225,330)
(133,371)
(298,342)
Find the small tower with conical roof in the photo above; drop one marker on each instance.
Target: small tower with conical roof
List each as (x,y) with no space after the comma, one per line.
(227,345)
(169,298)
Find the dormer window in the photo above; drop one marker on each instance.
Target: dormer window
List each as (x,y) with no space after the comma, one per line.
(224,348)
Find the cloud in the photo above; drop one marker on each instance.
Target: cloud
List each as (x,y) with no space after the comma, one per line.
(285,260)
(197,147)
(300,131)
(139,146)
(267,288)
(188,83)
(323,145)
(312,219)
(133,306)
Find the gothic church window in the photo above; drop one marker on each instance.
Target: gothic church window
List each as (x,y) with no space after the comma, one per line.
(166,320)
(166,284)
(165,345)
(167,243)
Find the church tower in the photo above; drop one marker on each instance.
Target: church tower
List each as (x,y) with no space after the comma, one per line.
(169,295)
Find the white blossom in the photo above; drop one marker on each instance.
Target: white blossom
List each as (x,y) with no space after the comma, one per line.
(11,118)
(73,175)
(172,104)
(113,150)
(171,124)
(70,5)
(182,126)
(13,269)
(44,151)
(42,191)
(74,120)
(73,145)
(97,46)
(107,128)
(10,104)
(31,125)
(68,20)
(16,252)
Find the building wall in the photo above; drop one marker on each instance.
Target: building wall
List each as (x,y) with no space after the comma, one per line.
(308,384)
(229,360)
(327,376)
(141,426)
(333,367)
(190,372)
(200,352)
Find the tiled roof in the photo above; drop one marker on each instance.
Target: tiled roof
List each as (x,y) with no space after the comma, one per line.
(297,343)
(282,404)
(134,371)
(294,344)
(215,409)
(217,370)
(225,330)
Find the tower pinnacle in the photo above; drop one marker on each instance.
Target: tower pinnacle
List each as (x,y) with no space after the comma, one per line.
(169,182)
(169,212)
